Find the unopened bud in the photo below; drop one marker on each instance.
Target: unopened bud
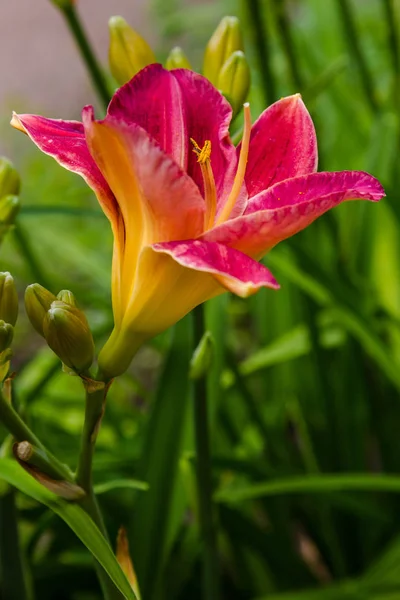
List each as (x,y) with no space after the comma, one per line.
(37,302)
(6,335)
(177,59)
(9,208)
(10,182)
(128,51)
(202,357)
(225,40)
(234,80)
(66,296)
(8,299)
(67,332)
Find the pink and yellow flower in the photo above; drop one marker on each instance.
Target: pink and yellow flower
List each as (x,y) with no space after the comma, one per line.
(191,214)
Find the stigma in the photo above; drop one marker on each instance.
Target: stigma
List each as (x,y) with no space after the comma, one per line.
(210,193)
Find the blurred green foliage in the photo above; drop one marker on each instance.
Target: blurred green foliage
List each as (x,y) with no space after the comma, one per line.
(305,382)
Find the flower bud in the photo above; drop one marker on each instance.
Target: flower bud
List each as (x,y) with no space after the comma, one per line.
(10,182)
(8,299)
(202,357)
(37,302)
(177,59)
(6,335)
(67,297)
(9,208)
(225,40)
(67,332)
(128,51)
(234,80)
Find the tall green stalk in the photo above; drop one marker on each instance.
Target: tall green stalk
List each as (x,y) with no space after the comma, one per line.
(203,472)
(94,409)
(13,579)
(353,42)
(256,17)
(285,32)
(79,34)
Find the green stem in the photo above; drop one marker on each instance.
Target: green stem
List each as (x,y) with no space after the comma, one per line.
(22,433)
(13,580)
(393,40)
(96,74)
(94,410)
(256,19)
(353,42)
(287,41)
(29,256)
(203,472)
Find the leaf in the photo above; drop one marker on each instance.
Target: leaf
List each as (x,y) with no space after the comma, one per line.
(312,484)
(115,484)
(74,516)
(160,460)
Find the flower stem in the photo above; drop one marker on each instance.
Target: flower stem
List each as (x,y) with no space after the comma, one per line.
(256,19)
(355,49)
(94,410)
(285,32)
(22,433)
(203,472)
(89,58)
(14,581)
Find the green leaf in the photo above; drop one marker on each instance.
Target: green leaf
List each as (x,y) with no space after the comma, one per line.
(115,484)
(74,516)
(160,459)
(312,484)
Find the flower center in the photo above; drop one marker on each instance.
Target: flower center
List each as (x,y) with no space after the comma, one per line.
(210,193)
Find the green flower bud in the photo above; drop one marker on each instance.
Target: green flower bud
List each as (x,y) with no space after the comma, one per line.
(202,357)
(10,182)
(225,40)
(177,59)
(67,297)
(234,80)
(128,51)
(8,299)
(67,332)
(37,302)
(6,335)
(9,208)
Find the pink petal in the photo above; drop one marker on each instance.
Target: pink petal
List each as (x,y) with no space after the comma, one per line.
(282,145)
(234,270)
(174,106)
(290,206)
(65,141)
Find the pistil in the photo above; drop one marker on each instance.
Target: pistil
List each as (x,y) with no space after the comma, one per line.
(241,170)
(210,193)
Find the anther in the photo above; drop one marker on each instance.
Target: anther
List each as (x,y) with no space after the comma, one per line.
(203,154)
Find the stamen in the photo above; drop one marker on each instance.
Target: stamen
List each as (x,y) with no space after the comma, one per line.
(210,194)
(241,169)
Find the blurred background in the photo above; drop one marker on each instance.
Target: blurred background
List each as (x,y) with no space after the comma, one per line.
(305,382)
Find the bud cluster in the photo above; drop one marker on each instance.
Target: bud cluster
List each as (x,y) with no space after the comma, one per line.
(225,64)
(62,324)
(9,190)
(8,318)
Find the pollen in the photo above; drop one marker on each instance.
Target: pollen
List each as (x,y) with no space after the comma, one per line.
(210,193)
(203,154)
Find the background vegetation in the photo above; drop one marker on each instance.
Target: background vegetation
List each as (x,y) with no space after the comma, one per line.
(305,382)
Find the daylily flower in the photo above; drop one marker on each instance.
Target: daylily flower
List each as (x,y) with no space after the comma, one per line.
(191,214)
